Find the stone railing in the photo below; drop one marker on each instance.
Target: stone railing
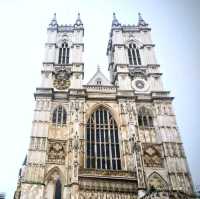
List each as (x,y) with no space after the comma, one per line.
(107,173)
(161,94)
(108,181)
(100,88)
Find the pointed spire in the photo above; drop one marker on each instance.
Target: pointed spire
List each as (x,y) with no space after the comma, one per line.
(98,68)
(25,160)
(53,25)
(115,22)
(54,20)
(141,20)
(78,21)
(54,16)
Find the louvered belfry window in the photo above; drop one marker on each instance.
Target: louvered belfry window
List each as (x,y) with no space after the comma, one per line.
(59,116)
(145,119)
(102,146)
(63,57)
(134,55)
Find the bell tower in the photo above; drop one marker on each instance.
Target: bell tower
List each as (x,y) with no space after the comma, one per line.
(114,138)
(132,61)
(63,65)
(50,168)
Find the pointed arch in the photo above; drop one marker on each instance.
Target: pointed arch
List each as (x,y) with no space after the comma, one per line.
(54,171)
(59,116)
(63,52)
(106,106)
(145,110)
(134,52)
(156,181)
(145,117)
(54,183)
(102,140)
(134,40)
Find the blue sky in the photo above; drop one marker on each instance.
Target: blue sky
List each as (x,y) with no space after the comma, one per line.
(175,31)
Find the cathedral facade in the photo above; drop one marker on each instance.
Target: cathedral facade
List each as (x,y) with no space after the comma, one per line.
(115,138)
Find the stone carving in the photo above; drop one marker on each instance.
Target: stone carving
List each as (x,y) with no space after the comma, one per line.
(152,156)
(56,152)
(38,143)
(70,145)
(140,171)
(75,168)
(76,144)
(157,182)
(82,146)
(84,194)
(31,191)
(77,110)
(82,107)
(117,186)
(93,172)
(129,109)
(122,108)
(138,73)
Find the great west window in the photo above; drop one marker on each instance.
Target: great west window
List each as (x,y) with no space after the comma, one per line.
(102,141)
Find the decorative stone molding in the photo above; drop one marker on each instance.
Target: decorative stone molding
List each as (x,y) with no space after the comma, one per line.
(56,152)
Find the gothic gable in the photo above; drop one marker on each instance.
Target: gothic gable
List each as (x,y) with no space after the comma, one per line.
(99,79)
(157,182)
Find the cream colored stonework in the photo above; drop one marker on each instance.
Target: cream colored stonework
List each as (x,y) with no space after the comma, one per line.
(150,157)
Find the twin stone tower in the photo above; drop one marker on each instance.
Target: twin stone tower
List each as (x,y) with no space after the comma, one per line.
(107,139)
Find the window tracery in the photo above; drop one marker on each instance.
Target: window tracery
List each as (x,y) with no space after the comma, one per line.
(102,141)
(63,57)
(134,55)
(145,118)
(59,116)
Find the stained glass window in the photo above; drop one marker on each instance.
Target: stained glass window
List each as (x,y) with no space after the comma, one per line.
(102,148)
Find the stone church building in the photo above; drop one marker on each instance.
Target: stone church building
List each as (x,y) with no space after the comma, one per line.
(113,138)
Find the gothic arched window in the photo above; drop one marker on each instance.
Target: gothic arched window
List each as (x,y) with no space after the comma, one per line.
(134,55)
(59,116)
(58,189)
(102,148)
(63,57)
(145,119)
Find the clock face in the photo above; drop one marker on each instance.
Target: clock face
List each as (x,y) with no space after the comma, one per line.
(140,85)
(61,84)
(61,80)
